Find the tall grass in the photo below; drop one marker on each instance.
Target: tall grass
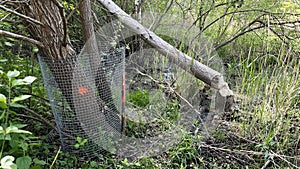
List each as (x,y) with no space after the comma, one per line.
(270,110)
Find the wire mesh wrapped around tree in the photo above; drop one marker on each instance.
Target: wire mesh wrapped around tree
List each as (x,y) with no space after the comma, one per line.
(86,100)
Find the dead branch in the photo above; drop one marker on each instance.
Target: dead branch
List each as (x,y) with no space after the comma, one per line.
(21,15)
(21,37)
(199,70)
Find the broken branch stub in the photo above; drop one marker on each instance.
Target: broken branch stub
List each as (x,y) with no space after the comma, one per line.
(199,70)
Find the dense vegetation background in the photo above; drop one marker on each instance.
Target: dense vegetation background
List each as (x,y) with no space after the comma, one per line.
(258,42)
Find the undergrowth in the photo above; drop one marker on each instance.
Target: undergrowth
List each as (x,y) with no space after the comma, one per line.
(261,131)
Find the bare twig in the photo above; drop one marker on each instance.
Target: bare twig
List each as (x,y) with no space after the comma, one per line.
(240,152)
(21,37)
(40,97)
(161,17)
(208,11)
(266,164)
(31,117)
(285,160)
(238,35)
(21,15)
(220,34)
(39,117)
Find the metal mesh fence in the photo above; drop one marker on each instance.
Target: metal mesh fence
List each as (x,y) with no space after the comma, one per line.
(85,94)
(163,102)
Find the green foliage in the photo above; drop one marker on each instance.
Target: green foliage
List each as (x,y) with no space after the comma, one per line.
(140,98)
(24,162)
(13,139)
(172,111)
(80,142)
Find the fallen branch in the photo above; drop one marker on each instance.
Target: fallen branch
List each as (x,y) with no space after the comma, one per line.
(199,70)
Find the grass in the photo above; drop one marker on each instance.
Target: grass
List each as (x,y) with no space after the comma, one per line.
(270,110)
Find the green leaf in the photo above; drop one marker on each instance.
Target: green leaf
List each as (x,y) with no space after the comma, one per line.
(76,145)
(8,44)
(20,98)
(13,74)
(78,139)
(29,79)
(39,162)
(3,101)
(7,137)
(26,81)
(14,142)
(16,105)
(18,82)
(2,98)
(93,164)
(36,167)
(14,129)
(2,114)
(19,125)
(24,162)
(3,60)
(7,162)
(3,106)
(24,146)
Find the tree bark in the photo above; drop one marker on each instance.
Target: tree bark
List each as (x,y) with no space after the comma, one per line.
(53,33)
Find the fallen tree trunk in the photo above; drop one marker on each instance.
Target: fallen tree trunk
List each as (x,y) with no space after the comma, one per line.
(199,70)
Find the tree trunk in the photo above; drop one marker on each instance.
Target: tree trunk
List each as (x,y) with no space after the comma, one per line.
(57,50)
(68,72)
(92,51)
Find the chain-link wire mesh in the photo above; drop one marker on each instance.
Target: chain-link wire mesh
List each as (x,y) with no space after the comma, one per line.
(85,94)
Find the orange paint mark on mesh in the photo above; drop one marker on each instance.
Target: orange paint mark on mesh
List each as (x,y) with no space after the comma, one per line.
(82,90)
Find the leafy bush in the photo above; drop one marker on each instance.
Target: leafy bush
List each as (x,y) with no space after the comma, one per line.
(13,139)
